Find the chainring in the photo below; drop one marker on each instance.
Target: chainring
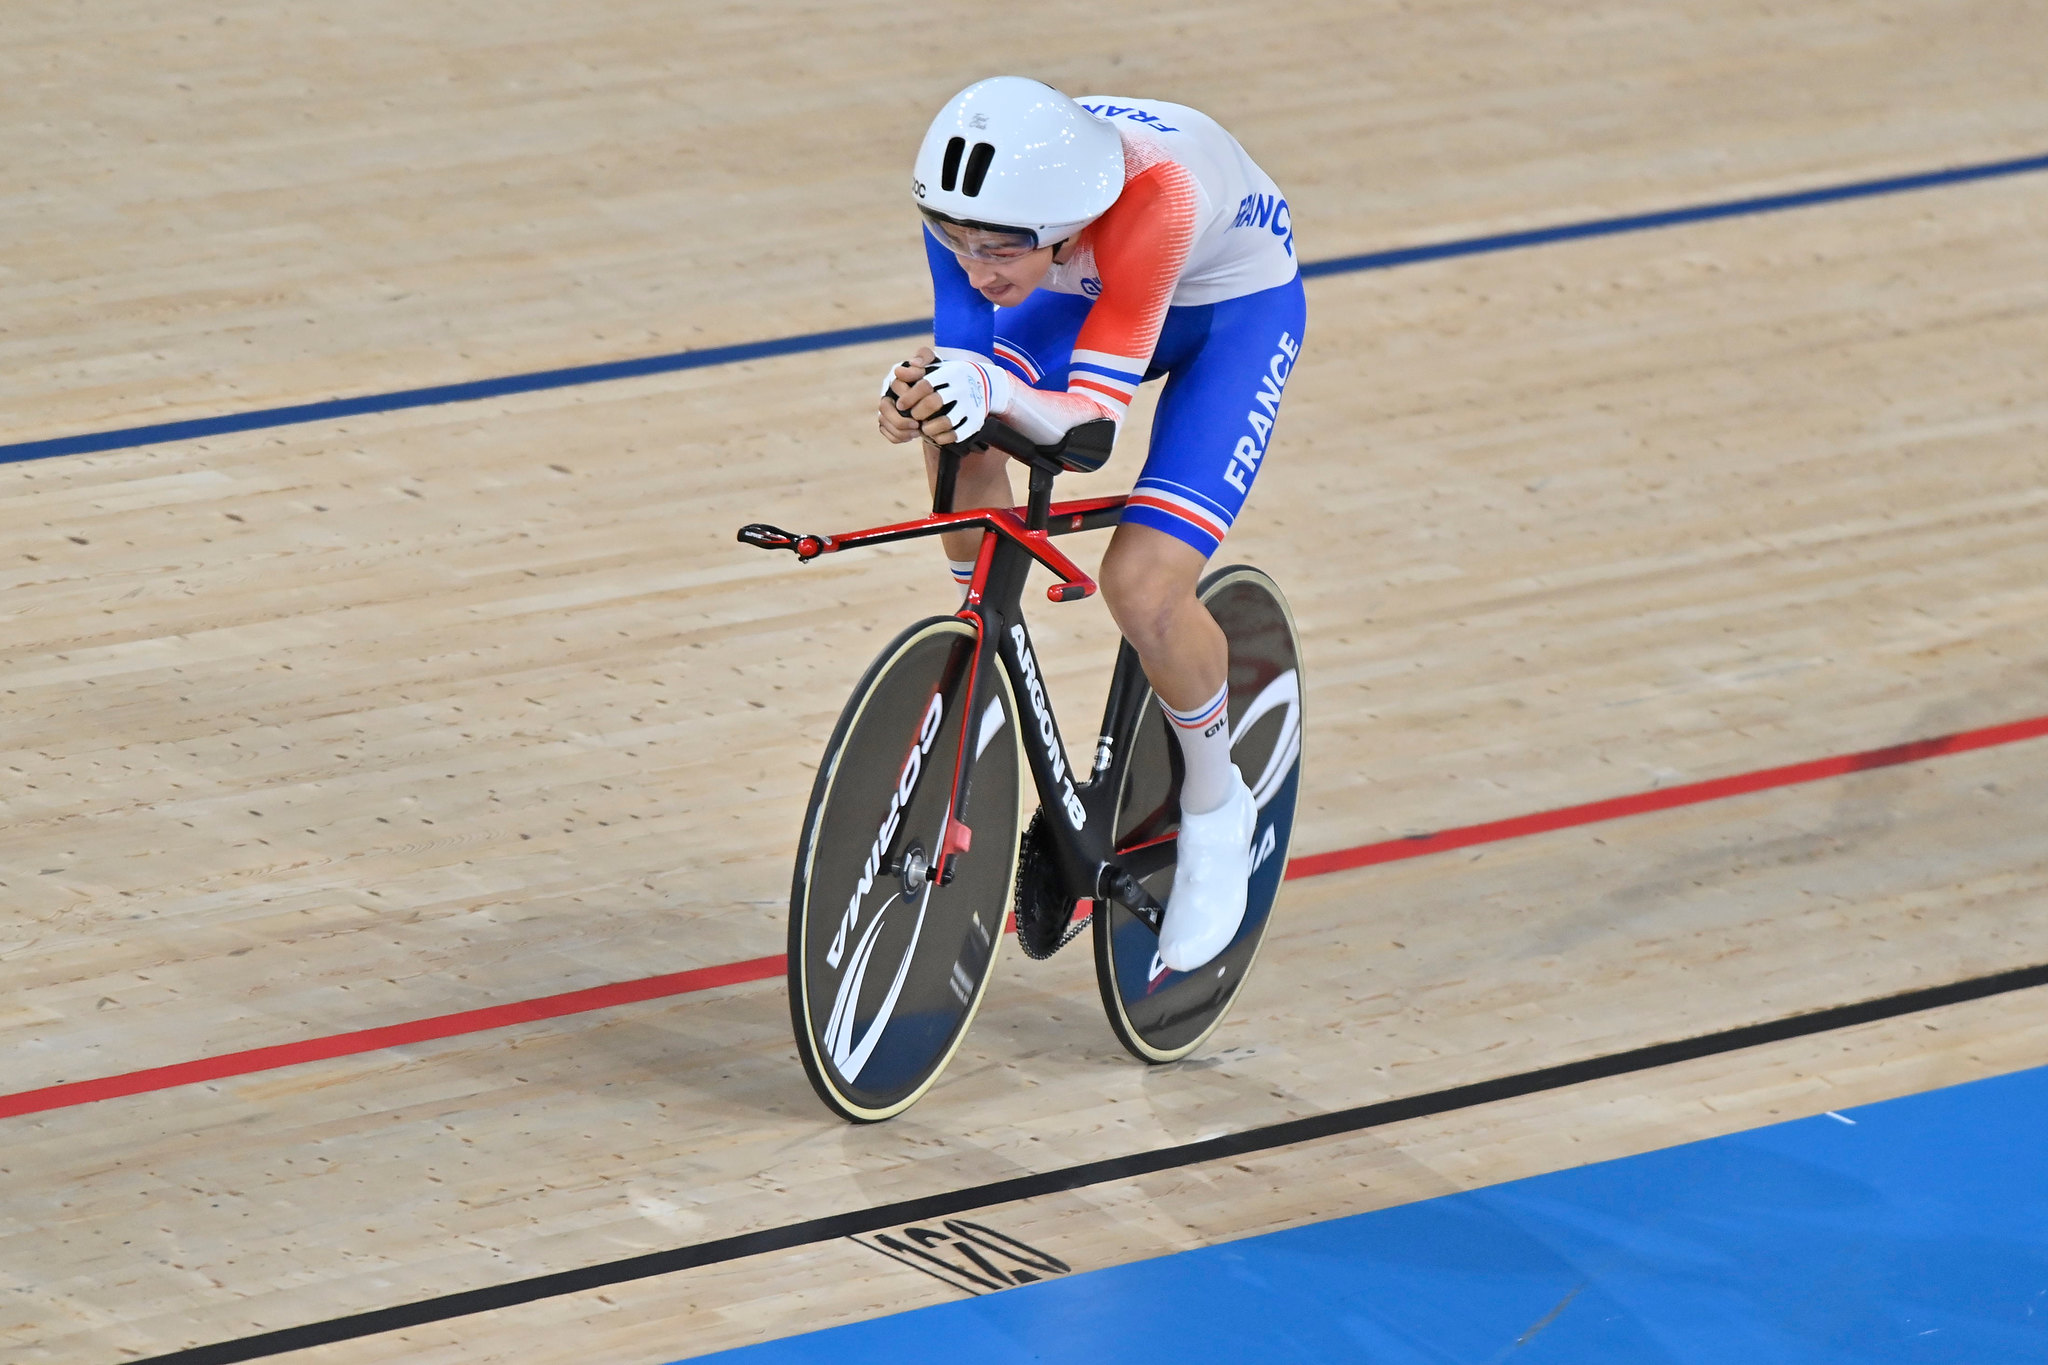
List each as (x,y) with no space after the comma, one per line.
(1045,913)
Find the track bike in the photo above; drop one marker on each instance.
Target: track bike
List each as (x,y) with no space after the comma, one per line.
(914,850)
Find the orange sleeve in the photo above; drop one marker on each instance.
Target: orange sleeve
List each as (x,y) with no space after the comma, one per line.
(1140,247)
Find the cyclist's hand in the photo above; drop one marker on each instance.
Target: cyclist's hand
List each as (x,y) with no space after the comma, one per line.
(902,389)
(966,389)
(943,396)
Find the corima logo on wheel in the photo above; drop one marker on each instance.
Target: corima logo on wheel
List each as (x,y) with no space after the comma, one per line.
(1048,734)
(906,787)
(847,1050)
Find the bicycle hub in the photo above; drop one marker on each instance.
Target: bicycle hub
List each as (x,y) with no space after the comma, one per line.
(914,867)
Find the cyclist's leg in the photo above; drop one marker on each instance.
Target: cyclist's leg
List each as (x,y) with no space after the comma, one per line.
(1035,342)
(983,481)
(1214,425)
(1209,438)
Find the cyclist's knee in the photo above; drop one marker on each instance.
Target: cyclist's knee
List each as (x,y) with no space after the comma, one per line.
(1148,581)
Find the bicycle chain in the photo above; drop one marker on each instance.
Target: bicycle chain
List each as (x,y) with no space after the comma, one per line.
(1045,919)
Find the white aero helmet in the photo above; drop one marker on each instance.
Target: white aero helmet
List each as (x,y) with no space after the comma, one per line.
(1014,156)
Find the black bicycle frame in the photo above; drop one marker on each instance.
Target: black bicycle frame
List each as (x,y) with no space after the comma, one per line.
(1080,810)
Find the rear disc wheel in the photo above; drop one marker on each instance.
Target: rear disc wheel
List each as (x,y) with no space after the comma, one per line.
(1158,1014)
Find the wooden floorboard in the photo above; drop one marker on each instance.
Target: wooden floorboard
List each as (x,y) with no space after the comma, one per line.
(343,724)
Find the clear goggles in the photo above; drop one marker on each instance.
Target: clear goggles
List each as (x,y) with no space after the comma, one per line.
(979,241)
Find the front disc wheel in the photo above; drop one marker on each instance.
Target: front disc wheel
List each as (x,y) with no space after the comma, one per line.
(887,965)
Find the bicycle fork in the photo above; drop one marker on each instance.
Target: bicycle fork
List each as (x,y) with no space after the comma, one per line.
(1080,809)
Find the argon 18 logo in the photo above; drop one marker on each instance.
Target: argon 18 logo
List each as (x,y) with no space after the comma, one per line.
(1048,735)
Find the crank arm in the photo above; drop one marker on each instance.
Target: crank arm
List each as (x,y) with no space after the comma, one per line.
(1130,893)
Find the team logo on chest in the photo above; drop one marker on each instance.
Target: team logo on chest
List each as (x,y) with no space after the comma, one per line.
(1268,211)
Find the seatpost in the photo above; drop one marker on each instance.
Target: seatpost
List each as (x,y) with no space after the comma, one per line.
(1039,513)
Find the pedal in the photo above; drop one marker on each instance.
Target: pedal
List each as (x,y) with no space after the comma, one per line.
(1045,915)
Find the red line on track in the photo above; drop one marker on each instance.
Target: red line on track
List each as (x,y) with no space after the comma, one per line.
(761,968)
(391,1035)
(1664,798)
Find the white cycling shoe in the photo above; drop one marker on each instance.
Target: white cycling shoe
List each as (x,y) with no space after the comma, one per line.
(1212,867)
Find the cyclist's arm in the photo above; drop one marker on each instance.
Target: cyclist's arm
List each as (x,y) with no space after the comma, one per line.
(962,318)
(1140,247)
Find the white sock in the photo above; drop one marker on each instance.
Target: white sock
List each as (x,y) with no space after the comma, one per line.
(963,575)
(1204,735)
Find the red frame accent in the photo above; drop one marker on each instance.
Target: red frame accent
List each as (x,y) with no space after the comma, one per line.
(956,836)
(983,557)
(1011,523)
(1007,522)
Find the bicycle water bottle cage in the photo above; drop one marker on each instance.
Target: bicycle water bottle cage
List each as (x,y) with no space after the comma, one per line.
(1083,450)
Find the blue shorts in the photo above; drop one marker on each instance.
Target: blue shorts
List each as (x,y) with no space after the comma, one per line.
(1226,365)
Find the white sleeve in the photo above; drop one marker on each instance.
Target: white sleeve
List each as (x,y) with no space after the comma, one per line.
(1046,417)
(1041,415)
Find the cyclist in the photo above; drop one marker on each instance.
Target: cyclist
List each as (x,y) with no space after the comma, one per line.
(1077,248)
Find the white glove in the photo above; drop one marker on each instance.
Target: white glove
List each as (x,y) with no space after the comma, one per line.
(971,387)
(942,352)
(889,380)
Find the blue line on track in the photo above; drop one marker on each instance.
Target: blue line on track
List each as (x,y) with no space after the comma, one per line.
(1699,213)
(469,392)
(124,438)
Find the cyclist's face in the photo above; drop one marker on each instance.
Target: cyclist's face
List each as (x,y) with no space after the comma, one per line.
(1008,283)
(1003,271)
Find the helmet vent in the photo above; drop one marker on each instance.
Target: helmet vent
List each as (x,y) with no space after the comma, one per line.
(949,173)
(977,168)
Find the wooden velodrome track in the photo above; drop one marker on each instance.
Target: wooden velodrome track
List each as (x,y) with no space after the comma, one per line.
(333,725)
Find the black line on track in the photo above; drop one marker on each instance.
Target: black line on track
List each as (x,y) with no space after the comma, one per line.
(935,1206)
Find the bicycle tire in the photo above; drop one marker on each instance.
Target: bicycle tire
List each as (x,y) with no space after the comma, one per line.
(874,1039)
(1160,1015)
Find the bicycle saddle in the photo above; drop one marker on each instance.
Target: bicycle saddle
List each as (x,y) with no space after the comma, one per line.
(1083,450)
